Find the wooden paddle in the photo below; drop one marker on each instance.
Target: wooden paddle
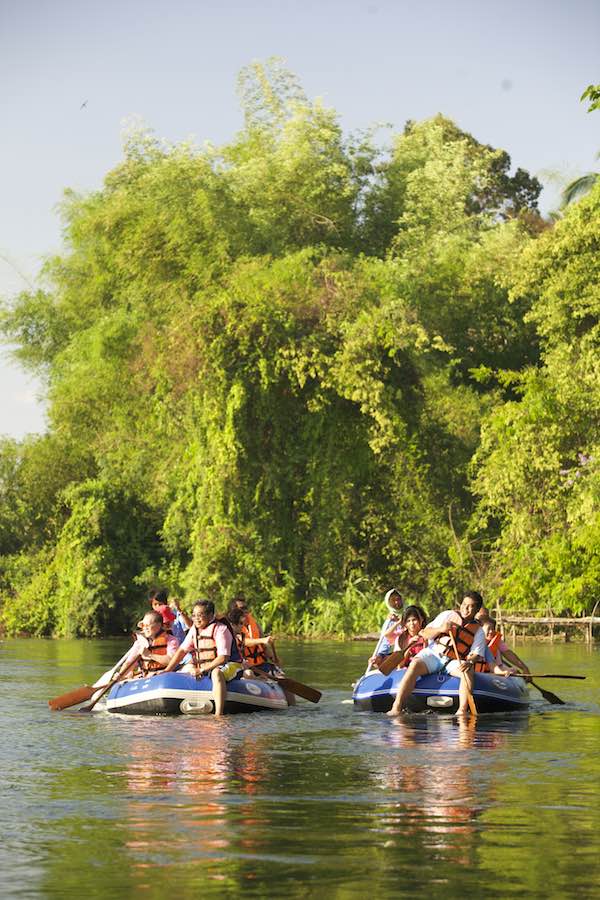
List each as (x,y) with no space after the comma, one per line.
(470,698)
(294,687)
(100,692)
(547,695)
(81,694)
(391,662)
(72,698)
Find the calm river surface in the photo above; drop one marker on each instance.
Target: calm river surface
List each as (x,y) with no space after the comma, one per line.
(319,801)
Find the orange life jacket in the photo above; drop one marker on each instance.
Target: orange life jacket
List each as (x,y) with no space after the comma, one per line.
(253,656)
(464,635)
(493,645)
(494,642)
(205,648)
(159,648)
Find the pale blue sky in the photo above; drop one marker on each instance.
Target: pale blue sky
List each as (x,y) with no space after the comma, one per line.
(511,73)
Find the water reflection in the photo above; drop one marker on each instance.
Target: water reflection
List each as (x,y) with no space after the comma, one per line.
(321,801)
(439,784)
(210,777)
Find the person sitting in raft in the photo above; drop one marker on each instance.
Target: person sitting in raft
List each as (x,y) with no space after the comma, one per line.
(214,651)
(411,639)
(155,647)
(174,619)
(158,601)
(439,655)
(251,649)
(499,645)
(390,630)
(493,658)
(259,652)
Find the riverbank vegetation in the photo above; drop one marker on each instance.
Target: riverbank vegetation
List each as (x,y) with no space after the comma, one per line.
(305,369)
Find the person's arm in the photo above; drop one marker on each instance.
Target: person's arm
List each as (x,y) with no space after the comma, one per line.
(511,657)
(176,659)
(255,642)
(395,630)
(182,650)
(437,628)
(139,645)
(174,603)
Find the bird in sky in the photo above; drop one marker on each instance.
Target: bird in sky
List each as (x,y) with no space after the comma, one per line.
(85,103)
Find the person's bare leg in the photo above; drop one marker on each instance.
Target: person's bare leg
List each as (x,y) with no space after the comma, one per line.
(219,689)
(414,671)
(467,680)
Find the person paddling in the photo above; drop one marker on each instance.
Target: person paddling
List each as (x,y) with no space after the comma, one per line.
(439,655)
(214,651)
(499,646)
(154,646)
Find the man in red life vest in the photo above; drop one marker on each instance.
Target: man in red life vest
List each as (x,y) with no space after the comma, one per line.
(213,649)
(439,655)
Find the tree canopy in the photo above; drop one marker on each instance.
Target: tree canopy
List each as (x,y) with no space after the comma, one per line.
(304,368)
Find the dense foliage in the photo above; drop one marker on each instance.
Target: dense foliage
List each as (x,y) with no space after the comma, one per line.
(268,365)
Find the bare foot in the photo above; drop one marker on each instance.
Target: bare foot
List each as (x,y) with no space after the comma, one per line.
(393,712)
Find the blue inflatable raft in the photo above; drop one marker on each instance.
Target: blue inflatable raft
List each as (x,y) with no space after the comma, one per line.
(173,693)
(492,693)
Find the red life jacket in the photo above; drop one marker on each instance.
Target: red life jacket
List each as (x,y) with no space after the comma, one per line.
(412,651)
(159,648)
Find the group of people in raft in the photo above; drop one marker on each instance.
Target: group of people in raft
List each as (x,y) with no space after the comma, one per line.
(202,644)
(459,641)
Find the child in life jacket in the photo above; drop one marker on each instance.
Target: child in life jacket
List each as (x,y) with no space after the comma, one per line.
(500,647)
(493,654)
(410,638)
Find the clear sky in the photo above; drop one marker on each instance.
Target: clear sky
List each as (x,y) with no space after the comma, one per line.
(71,71)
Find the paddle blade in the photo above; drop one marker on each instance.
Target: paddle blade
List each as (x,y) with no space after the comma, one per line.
(548,695)
(301,690)
(72,698)
(389,663)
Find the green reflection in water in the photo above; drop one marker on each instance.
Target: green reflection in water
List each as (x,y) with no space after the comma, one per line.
(319,801)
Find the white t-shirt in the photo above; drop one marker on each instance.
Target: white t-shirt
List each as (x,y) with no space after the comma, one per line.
(451,616)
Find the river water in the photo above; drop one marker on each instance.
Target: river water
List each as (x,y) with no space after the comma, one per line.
(318,801)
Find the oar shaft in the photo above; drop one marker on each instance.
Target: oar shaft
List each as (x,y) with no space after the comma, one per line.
(102,690)
(573,677)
